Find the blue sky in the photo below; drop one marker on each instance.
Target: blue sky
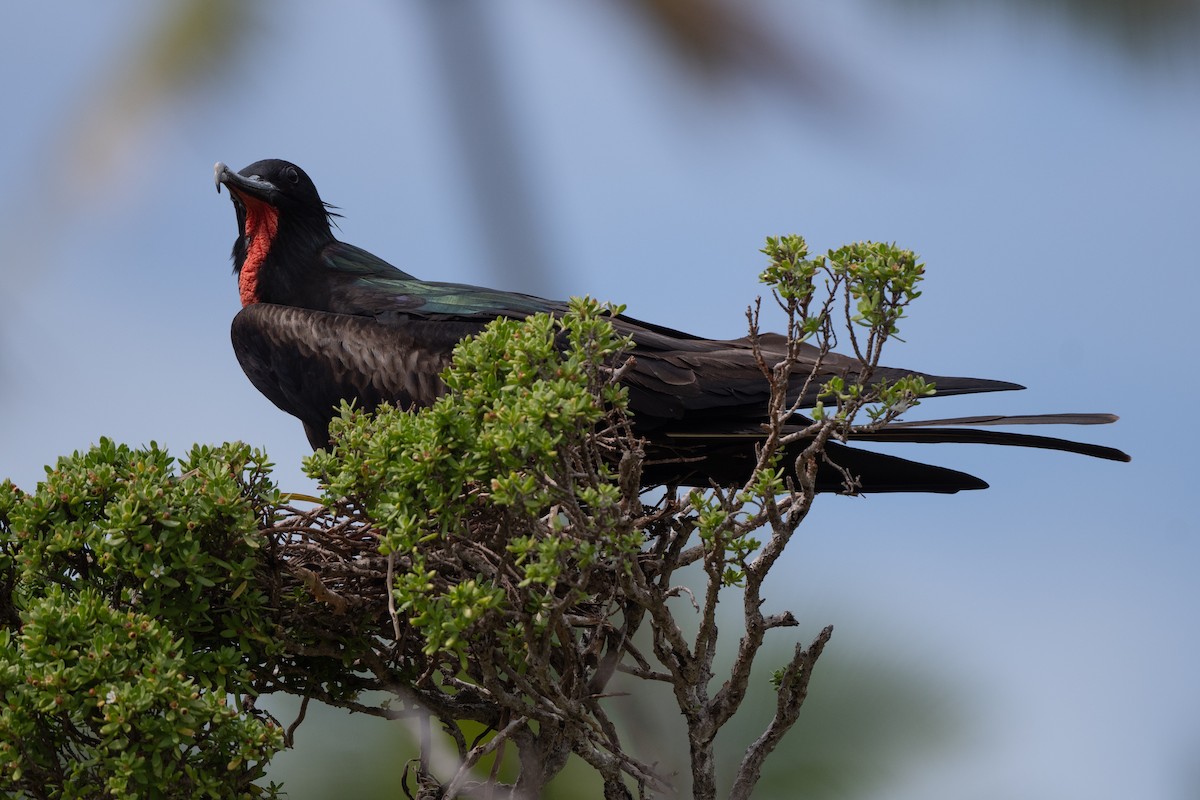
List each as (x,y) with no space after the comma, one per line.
(1047,178)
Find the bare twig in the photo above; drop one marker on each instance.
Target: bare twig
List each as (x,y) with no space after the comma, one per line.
(793,690)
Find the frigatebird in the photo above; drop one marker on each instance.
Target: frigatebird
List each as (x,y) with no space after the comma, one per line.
(323,321)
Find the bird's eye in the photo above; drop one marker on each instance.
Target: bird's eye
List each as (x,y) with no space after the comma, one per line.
(292,175)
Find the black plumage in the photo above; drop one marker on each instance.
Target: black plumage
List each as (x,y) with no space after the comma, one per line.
(324,321)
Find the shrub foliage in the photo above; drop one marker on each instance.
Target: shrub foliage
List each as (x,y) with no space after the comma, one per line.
(487,563)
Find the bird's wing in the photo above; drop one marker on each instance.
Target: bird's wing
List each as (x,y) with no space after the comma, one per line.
(378,289)
(674,380)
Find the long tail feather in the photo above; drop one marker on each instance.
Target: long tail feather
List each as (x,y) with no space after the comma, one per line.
(1026,419)
(971,436)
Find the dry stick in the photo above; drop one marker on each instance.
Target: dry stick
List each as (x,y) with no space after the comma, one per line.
(793,690)
(319,590)
(289,736)
(464,771)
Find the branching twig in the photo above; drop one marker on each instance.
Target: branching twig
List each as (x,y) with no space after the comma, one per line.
(793,690)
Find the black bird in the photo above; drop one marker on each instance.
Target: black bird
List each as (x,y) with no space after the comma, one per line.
(324,321)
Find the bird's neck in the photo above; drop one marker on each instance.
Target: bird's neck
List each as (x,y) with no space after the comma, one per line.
(283,263)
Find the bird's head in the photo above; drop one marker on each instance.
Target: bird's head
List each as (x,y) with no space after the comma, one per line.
(277,207)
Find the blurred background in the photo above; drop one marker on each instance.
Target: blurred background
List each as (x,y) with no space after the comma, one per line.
(1036,640)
